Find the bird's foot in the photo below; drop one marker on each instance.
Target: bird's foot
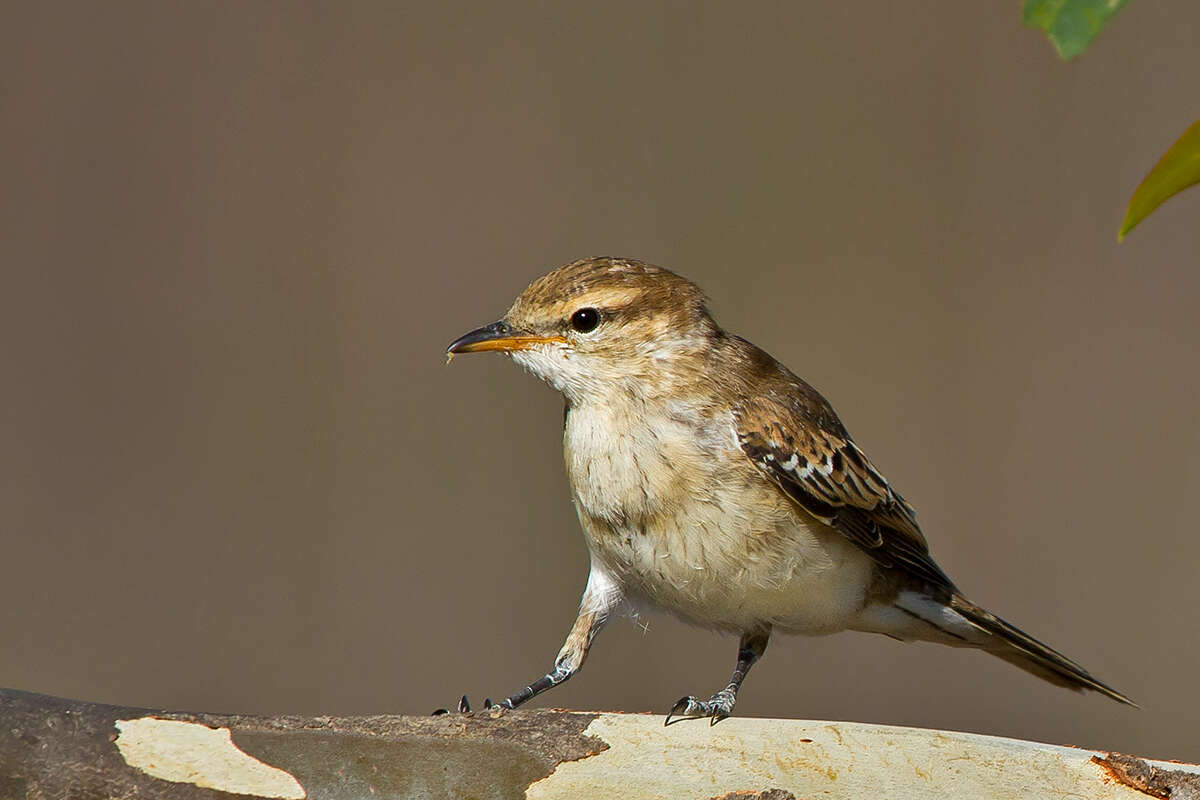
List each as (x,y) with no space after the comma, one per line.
(716,708)
(464,706)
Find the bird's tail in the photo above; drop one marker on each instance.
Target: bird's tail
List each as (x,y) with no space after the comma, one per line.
(950,618)
(1018,648)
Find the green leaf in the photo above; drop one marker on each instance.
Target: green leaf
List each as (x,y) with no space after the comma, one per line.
(1070,24)
(1178,169)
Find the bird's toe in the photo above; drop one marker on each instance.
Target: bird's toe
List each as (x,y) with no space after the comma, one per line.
(464,707)
(721,705)
(685,708)
(716,708)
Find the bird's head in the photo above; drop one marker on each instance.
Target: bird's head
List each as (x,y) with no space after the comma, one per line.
(598,325)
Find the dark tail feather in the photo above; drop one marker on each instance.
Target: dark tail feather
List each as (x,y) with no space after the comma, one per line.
(1022,650)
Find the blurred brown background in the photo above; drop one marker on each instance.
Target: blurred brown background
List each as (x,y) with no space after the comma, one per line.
(236,237)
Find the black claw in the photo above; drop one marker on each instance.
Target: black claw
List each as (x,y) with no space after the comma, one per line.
(694,708)
(464,707)
(503,704)
(680,706)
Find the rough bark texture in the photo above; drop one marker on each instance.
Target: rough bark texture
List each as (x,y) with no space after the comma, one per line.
(53,748)
(1155,781)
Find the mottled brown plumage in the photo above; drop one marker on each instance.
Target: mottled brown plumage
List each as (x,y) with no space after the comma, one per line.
(827,475)
(712,482)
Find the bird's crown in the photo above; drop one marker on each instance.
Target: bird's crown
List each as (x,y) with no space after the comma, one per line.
(617,289)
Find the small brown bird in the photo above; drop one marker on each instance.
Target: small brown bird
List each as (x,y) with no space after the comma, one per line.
(713,483)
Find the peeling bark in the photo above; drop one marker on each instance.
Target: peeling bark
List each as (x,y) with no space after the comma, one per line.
(53,748)
(1148,779)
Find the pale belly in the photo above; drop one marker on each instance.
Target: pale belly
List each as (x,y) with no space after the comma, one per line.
(717,566)
(817,585)
(719,547)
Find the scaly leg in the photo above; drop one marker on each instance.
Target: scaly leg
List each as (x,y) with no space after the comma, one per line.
(600,597)
(720,705)
(570,658)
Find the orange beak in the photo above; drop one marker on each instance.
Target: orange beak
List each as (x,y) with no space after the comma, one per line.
(497,336)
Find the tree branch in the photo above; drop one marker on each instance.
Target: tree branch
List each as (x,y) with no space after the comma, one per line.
(53,748)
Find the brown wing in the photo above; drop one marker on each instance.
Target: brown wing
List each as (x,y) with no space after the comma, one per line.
(800,445)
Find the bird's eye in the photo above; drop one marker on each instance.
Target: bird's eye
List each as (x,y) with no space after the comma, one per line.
(585,320)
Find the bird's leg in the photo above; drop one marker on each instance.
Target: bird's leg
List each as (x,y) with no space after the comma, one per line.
(570,657)
(720,705)
(600,596)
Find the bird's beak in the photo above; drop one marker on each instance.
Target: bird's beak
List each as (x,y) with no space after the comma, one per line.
(498,336)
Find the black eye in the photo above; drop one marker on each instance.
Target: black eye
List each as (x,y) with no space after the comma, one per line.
(585,320)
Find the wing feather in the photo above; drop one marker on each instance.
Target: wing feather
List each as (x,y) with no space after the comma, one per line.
(803,449)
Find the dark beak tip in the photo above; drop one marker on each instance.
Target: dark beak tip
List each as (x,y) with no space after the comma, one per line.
(484,334)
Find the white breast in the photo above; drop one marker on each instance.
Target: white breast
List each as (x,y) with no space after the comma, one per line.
(684,521)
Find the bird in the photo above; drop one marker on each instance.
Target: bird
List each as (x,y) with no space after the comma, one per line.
(714,484)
